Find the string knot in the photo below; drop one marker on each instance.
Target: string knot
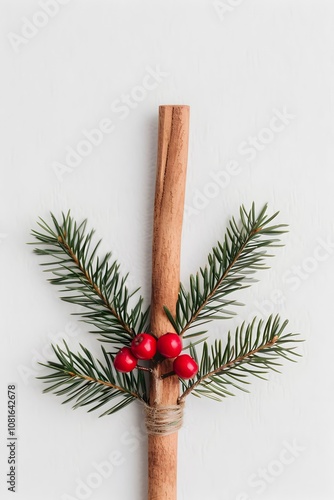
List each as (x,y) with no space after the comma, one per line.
(163,420)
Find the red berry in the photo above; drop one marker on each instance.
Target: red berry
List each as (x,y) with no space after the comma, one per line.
(125,361)
(169,345)
(185,366)
(144,346)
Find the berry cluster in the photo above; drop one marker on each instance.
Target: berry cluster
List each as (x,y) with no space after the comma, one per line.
(145,346)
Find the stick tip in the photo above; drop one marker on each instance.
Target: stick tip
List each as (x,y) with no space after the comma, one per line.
(168,106)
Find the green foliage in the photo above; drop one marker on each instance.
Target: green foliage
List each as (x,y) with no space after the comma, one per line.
(255,349)
(96,285)
(91,282)
(229,269)
(86,381)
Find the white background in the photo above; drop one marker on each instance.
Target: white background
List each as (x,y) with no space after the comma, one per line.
(234,64)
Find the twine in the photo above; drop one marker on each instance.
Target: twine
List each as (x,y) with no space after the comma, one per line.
(163,420)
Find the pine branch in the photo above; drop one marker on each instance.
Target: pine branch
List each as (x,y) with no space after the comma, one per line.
(256,350)
(229,267)
(89,281)
(88,382)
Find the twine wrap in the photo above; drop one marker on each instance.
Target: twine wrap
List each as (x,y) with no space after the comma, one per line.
(163,420)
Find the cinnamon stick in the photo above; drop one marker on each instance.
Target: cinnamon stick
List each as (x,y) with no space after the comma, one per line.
(167,228)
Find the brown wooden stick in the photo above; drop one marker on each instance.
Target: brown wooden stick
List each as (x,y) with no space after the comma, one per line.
(167,228)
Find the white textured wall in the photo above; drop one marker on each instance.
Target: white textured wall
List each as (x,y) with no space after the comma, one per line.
(238,64)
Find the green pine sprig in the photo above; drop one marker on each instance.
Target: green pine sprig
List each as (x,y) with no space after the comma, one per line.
(89,281)
(254,349)
(230,267)
(87,381)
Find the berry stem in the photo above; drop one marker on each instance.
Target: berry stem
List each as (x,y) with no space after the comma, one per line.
(144,369)
(166,375)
